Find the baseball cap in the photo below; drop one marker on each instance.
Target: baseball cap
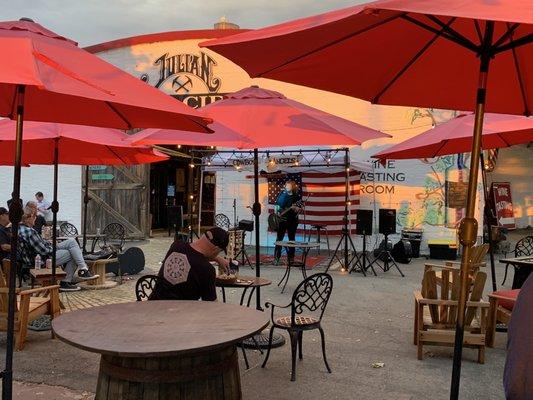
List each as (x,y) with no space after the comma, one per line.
(3,211)
(218,236)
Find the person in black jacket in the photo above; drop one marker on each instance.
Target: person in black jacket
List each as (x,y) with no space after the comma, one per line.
(288,217)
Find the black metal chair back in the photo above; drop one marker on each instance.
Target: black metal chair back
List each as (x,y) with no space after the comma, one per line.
(68,229)
(114,235)
(524,247)
(145,286)
(312,295)
(222,221)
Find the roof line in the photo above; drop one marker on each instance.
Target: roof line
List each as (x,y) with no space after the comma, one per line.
(162,37)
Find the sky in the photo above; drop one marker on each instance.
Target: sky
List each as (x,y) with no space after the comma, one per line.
(95,21)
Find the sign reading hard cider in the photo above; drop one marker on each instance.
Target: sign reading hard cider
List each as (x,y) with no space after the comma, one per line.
(503,204)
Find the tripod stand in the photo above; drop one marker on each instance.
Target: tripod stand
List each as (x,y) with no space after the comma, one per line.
(345,242)
(386,257)
(363,263)
(345,245)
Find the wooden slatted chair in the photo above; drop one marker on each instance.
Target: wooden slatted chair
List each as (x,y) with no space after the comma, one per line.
(30,305)
(436,313)
(477,260)
(501,307)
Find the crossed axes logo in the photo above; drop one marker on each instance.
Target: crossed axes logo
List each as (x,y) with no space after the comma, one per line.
(182,84)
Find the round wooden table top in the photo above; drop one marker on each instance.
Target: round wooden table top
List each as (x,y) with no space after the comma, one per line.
(158,328)
(244,282)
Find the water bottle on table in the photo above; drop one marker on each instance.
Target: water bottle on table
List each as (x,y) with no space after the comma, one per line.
(38,261)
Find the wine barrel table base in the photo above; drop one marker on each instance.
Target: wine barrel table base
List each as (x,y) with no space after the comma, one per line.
(163,349)
(211,375)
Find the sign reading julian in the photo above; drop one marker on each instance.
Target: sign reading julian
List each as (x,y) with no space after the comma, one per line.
(503,203)
(188,77)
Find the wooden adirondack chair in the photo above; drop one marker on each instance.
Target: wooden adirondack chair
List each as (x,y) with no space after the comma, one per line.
(477,260)
(30,305)
(500,311)
(436,313)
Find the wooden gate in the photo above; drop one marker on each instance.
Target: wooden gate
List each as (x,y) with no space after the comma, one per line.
(119,194)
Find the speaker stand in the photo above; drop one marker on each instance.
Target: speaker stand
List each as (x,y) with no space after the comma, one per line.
(345,261)
(242,251)
(386,254)
(363,263)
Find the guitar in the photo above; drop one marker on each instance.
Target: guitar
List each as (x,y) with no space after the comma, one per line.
(274,219)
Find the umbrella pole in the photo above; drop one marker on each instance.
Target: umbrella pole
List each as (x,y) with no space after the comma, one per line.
(15,214)
(346,203)
(257,212)
(55,208)
(200,199)
(468,226)
(85,204)
(488,218)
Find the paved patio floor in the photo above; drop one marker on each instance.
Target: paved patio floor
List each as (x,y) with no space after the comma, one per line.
(369,320)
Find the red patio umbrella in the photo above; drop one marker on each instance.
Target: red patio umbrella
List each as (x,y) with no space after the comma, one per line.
(46,77)
(222,136)
(455,136)
(269,119)
(54,143)
(426,53)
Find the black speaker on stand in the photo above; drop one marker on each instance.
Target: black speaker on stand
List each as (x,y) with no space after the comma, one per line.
(387,226)
(363,227)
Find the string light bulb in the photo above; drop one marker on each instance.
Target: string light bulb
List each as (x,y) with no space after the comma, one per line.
(191,165)
(179,146)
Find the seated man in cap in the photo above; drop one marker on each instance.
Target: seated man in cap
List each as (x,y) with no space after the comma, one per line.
(5,234)
(187,271)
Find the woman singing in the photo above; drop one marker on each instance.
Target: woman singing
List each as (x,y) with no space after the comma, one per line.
(288,213)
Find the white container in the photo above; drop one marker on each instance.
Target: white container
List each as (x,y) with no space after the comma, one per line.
(48,263)
(38,261)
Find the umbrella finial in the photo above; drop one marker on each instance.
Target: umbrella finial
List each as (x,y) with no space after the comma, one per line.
(26,19)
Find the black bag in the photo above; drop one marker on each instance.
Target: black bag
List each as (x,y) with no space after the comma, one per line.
(402,252)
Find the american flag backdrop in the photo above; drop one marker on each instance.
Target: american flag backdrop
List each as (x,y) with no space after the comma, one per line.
(323,195)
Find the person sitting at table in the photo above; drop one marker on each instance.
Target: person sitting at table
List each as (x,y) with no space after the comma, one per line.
(43,206)
(39,220)
(68,253)
(5,234)
(518,373)
(187,273)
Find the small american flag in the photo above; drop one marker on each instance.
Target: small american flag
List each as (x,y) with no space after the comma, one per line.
(323,196)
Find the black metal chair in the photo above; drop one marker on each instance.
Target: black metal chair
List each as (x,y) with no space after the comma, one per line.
(311,296)
(222,221)
(114,236)
(524,247)
(145,286)
(68,229)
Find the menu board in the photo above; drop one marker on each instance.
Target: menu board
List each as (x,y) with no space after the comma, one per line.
(456,193)
(503,204)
